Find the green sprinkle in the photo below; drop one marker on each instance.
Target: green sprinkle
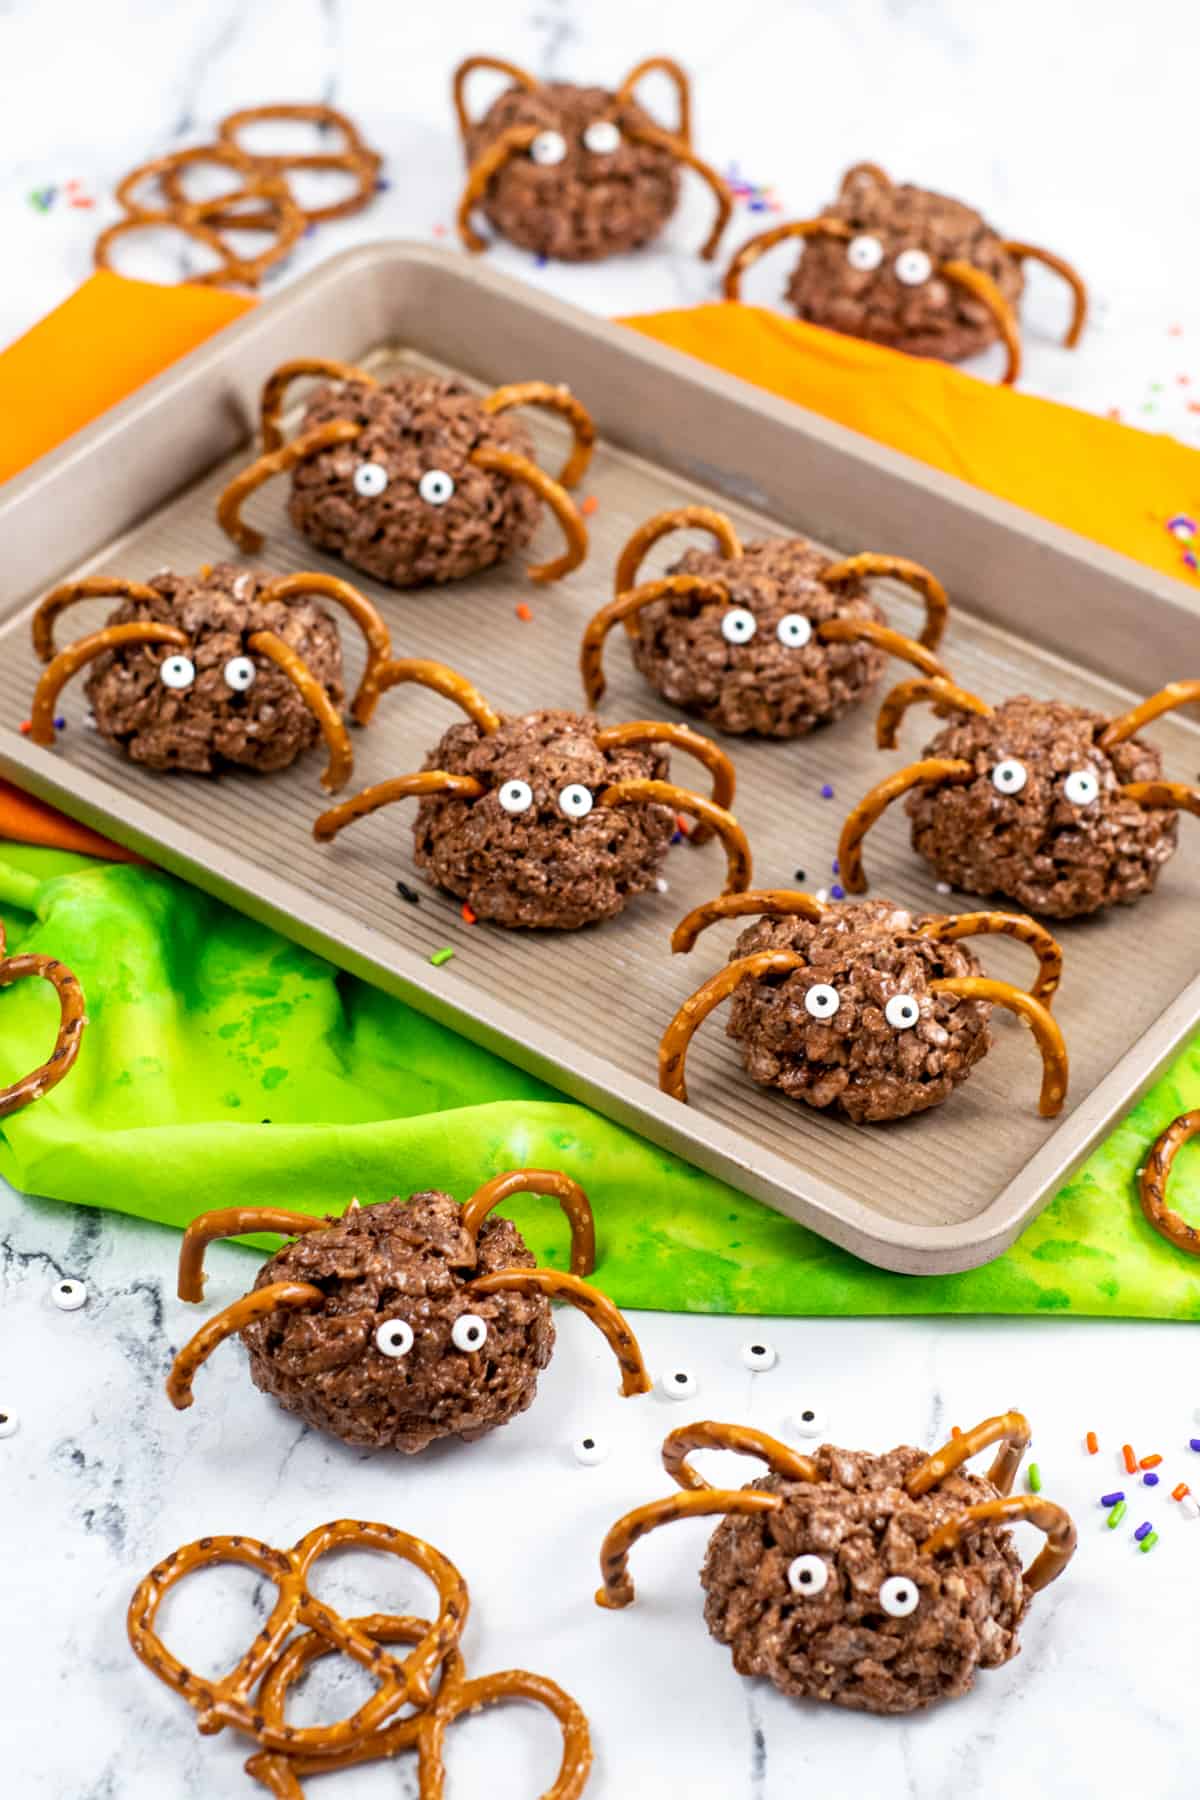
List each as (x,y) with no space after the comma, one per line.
(441,956)
(1035,1479)
(1148,1543)
(1116,1515)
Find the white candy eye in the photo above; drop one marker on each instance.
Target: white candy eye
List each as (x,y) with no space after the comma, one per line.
(807,1421)
(794,630)
(548,148)
(738,626)
(394,1337)
(1081,787)
(516,796)
(239,673)
(913,267)
(808,1575)
(177,672)
(1010,776)
(589,1450)
(436,487)
(822,1001)
(69,1296)
(469,1332)
(10,1424)
(759,1357)
(899,1596)
(902,1012)
(370,479)
(575,800)
(602,137)
(864,253)
(679,1384)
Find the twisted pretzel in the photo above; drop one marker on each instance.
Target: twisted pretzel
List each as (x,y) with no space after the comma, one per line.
(593,1304)
(1153,1184)
(715,818)
(231,1221)
(202,218)
(357,158)
(778,902)
(983,288)
(68,662)
(519,468)
(1034,1509)
(944,695)
(1044,945)
(708,1435)
(1010,1430)
(272,463)
(618,1590)
(71,1023)
(756,247)
(672,1051)
(568,1193)
(1175,694)
(929,771)
(400,787)
(870,566)
(557,399)
(1042,1022)
(1079,297)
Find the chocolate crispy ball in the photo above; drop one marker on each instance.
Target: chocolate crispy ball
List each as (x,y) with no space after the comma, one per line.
(821,1033)
(403,501)
(927,317)
(1043,821)
(407,1260)
(771,682)
(534,850)
(239,708)
(589,203)
(840,1643)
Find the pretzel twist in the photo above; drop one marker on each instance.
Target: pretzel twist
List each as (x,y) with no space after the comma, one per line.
(203,218)
(624,608)
(316,698)
(656,139)
(725,826)
(279,1296)
(357,158)
(520,468)
(676,518)
(1153,1179)
(570,1196)
(755,247)
(70,593)
(871,566)
(276,385)
(680,737)
(868,631)
(774,902)
(928,772)
(72,1022)
(232,1221)
(944,695)
(68,662)
(618,1590)
(590,1301)
(441,679)
(983,288)
(268,465)
(672,1051)
(1175,694)
(670,68)
(1072,277)
(1044,945)
(482,173)
(400,787)
(226,274)
(707,1434)
(366,617)
(557,399)
(1045,1028)
(1010,1430)
(515,73)
(1033,1509)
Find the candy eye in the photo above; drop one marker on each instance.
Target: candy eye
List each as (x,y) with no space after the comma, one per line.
(469,1332)
(548,148)
(913,267)
(516,796)
(394,1337)
(679,1384)
(794,630)
(808,1422)
(602,137)
(589,1450)
(822,1001)
(738,626)
(575,800)
(808,1575)
(902,1012)
(1081,787)
(759,1357)
(864,254)
(435,487)
(239,673)
(177,672)
(69,1296)
(10,1424)
(1010,776)
(370,479)
(899,1596)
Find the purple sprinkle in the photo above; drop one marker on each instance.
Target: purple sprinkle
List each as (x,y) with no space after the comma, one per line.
(1111,1499)
(1195,1444)
(678,838)
(758,206)
(1190,560)
(837,892)
(837,867)
(1143,1531)
(60,724)
(541,261)
(1150,1479)
(827,792)
(382,186)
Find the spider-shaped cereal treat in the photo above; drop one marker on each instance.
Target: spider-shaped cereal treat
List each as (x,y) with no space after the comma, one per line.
(228,668)
(772,637)
(879,1583)
(548,819)
(405,1321)
(910,269)
(1153,1177)
(415,479)
(1053,805)
(863,1009)
(577,173)
(72,1020)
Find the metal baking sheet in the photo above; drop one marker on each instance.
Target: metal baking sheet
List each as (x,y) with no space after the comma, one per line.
(1035,610)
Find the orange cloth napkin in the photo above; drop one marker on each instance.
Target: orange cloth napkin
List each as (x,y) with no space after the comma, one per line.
(30,821)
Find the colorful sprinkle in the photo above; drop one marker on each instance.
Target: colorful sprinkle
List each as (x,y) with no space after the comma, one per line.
(1194,1443)
(26,727)
(827,792)
(1189,1506)
(837,891)
(441,956)
(1130,1459)
(1092,1442)
(60,724)
(1177,1493)
(407,893)
(1143,1531)
(1149,1542)
(1035,1479)
(683,824)
(439,229)
(1111,1499)
(1150,1480)
(41,199)
(800,875)
(469,915)
(588,505)
(1116,1515)
(1150,1462)
(524,613)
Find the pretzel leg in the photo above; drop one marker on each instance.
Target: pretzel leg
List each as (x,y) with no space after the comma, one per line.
(1176,794)
(231,1221)
(519,468)
(618,1589)
(984,288)
(1010,1430)
(266,467)
(277,384)
(726,827)
(1168,699)
(488,1690)
(1038,1017)
(315,697)
(1072,277)
(679,148)
(707,1434)
(624,608)
(670,68)
(672,1051)
(927,773)
(872,567)
(1045,947)
(442,680)
(676,518)
(568,1193)
(680,737)
(482,173)
(365,616)
(70,593)
(1014,1509)
(597,1307)
(756,247)
(867,631)
(71,1023)
(280,1296)
(944,695)
(777,903)
(68,662)
(1153,1184)
(401,787)
(558,399)
(465,70)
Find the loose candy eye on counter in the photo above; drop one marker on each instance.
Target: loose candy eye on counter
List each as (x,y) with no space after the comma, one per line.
(807,1421)
(678,1384)
(10,1422)
(590,1450)
(759,1357)
(69,1296)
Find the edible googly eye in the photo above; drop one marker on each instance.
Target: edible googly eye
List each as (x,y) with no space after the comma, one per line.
(548,148)
(794,631)
(602,137)
(394,1337)
(575,800)
(807,1422)
(1010,776)
(913,267)
(679,1384)
(469,1332)
(759,1357)
(436,487)
(1081,787)
(864,254)
(902,1012)
(738,625)
(899,1596)
(516,796)
(589,1450)
(10,1424)
(177,672)
(822,1001)
(808,1575)
(370,479)
(69,1296)
(239,673)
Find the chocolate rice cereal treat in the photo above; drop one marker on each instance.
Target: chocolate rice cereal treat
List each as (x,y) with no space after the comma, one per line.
(877,1583)
(230,668)
(405,1321)
(548,819)
(863,1009)
(416,480)
(772,638)
(1054,806)
(576,173)
(911,269)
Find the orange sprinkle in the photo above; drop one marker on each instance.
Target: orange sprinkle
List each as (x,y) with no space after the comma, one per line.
(683,824)
(1092,1442)
(26,727)
(1130,1459)
(1150,1462)
(470,916)
(524,612)
(1180,1491)
(587,507)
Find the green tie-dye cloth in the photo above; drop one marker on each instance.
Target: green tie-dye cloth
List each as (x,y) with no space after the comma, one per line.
(224,1066)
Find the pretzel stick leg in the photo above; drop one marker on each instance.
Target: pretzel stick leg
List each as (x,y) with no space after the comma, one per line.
(519,468)
(555,399)
(597,1307)
(365,616)
(570,1196)
(726,827)
(1177,795)
(1175,694)
(265,468)
(707,1434)
(70,593)
(618,1589)
(624,608)
(943,695)
(872,806)
(1042,1022)
(676,518)
(672,1052)
(984,288)
(520,77)
(231,1221)
(871,567)
(71,1022)
(755,247)
(867,631)
(277,384)
(280,1296)
(441,680)
(401,787)
(482,173)
(315,697)
(1072,277)
(1014,1509)
(1045,947)
(777,903)
(68,662)
(693,743)
(670,68)
(1153,1184)
(677,147)
(1010,1430)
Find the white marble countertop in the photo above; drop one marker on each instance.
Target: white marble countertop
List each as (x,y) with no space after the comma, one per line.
(1079,134)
